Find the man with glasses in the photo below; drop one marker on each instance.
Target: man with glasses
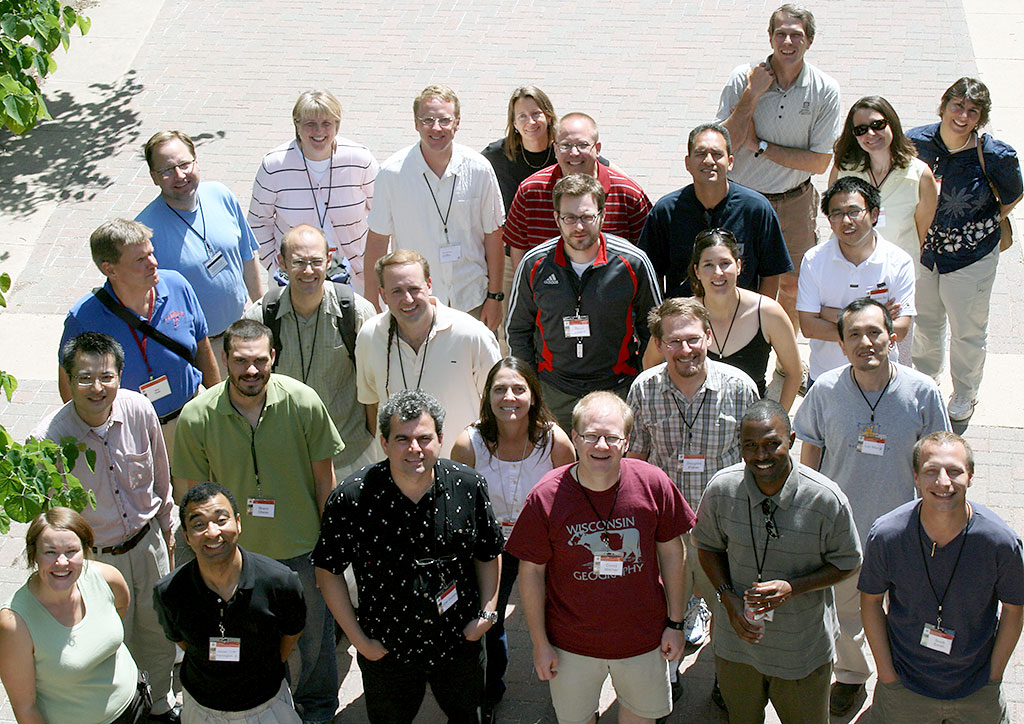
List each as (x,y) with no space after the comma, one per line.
(712,201)
(200,231)
(773,538)
(315,325)
(686,411)
(601,572)
(856,262)
(442,199)
(422,539)
(858,425)
(577,148)
(579,302)
(132,483)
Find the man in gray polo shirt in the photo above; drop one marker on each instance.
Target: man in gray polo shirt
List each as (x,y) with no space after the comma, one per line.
(773,537)
(783,116)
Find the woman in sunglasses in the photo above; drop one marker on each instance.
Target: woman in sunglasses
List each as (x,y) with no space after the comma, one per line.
(873,147)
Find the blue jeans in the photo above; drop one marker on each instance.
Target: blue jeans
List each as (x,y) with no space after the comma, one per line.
(316,691)
(495,640)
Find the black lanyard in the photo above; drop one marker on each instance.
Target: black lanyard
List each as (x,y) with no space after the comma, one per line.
(444,217)
(880,396)
(605,523)
(423,362)
(689,424)
(202,237)
(924,562)
(721,347)
(303,369)
(759,564)
(330,187)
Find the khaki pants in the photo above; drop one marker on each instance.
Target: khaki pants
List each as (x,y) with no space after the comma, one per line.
(797,701)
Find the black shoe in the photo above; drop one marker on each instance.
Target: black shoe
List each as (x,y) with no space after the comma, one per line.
(487,714)
(842,696)
(171,716)
(716,696)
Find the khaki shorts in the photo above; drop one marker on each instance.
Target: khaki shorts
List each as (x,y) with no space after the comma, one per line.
(798,218)
(895,704)
(641,685)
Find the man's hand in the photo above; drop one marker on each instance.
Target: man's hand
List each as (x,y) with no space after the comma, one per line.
(894,308)
(760,78)
(545,662)
(672,644)
(743,628)
(371,649)
(475,629)
(168,536)
(767,595)
(490,314)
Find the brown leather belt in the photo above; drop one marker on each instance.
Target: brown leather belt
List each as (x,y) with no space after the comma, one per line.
(783,195)
(121,548)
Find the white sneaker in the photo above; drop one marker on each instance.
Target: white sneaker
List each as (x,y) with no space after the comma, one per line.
(695,625)
(960,407)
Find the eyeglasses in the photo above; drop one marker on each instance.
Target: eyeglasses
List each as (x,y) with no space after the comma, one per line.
(572,219)
(769,519)
(300,264)
(582,146)
(428,121)
(876,125)
(107,379)
(673,344)
(525,117)
(610,440)
(852,214)
(184,167)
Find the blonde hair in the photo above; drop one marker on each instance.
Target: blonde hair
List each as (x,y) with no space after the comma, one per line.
(316,103)
(435,91)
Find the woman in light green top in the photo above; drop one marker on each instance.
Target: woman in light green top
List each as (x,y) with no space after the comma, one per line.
(62,653)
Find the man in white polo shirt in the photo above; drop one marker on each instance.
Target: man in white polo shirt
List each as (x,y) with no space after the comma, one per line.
(442,199)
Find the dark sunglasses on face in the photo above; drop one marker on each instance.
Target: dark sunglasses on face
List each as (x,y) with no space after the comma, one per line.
(876,125)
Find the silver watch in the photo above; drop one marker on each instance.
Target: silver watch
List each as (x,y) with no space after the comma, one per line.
(490,617)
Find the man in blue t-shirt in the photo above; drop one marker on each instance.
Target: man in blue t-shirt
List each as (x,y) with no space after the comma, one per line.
(947,565)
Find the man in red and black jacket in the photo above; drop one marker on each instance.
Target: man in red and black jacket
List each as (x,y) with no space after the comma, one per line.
(580,302)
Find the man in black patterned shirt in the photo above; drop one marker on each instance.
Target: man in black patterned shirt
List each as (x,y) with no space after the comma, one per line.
(424,545)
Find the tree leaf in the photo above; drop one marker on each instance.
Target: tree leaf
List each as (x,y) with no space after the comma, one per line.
(90,459)
(23,507)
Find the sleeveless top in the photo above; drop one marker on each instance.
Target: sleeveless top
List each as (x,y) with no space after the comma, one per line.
(900,192)
(508,483)
(84,673)
(752,358)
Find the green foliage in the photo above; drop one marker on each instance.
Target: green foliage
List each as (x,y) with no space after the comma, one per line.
(30,31)
(34,476)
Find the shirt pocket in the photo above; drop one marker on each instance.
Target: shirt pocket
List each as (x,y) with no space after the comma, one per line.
(139,470)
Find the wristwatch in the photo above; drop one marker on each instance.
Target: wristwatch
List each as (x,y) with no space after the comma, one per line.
(720,590)
(500,296)
(677,625)
(761,148)
(490,617)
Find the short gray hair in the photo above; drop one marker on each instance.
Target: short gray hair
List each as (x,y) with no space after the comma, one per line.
(409,405)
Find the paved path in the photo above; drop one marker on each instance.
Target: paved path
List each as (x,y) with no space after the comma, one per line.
(228,73)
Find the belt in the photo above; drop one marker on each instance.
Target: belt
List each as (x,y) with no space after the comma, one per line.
(783,195)
(164,419)
(121,548)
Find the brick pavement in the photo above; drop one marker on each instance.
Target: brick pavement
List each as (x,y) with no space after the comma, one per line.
(228,73)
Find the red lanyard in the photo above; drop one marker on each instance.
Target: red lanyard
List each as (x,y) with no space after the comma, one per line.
(142,343)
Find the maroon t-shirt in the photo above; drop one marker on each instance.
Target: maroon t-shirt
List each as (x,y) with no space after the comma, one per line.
(606,617)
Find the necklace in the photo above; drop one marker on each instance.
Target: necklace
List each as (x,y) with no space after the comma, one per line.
(958,150)
(544,163)
(876,182)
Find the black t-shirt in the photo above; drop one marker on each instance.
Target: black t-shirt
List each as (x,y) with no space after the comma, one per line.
(267,605)
(406,554)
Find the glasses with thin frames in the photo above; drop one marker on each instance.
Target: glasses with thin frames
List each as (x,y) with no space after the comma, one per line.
(300,264)
(876,125)
(106,379)
(429,121)
(184,167)
(610,440)
(852,214)
(572,219)
(582,146)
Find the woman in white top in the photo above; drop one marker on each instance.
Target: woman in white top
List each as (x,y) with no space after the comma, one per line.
(513,445)
(873,147)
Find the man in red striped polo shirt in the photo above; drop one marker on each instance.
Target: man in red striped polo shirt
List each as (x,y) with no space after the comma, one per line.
(530,221)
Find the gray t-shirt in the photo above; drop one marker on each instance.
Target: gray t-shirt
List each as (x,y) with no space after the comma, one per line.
(834,414)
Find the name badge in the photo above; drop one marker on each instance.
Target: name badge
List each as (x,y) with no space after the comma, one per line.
(451,252)
(156,389)
(261,507)
(225,648)
(216,264)
(608,564)
(506,528)
(692,463)
(871,441)
(447,598)
(937,639)
(576,326)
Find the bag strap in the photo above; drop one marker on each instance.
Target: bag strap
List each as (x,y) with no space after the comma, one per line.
(271,303)
(981,160)
(140,325)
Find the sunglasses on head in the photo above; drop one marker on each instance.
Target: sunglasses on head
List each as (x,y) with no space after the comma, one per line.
(876,125)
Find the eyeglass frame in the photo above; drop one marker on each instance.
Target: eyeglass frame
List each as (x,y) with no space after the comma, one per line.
(184,167)
(879,124)
(444,122)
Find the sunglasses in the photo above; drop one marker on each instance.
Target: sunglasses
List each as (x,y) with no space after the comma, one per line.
(876,125)
(769,519)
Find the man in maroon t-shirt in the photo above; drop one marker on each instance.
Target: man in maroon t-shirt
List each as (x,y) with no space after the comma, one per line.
(596,539)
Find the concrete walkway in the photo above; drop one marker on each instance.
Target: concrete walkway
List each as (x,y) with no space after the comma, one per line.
(228,73)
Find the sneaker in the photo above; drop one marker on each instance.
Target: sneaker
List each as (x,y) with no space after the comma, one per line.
(960,407)
(695,625)
(842,696)
(716,696)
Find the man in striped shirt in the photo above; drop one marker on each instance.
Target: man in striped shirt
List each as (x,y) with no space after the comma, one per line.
(530,222)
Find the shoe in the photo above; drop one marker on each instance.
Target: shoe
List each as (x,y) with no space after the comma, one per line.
(841,697)
(487,714)
(960,407)
(695,624)
(171,716)
(716,696)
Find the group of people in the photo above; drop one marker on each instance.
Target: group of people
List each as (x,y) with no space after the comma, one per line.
(395,474)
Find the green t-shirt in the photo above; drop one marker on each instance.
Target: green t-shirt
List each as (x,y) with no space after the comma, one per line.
(213,441)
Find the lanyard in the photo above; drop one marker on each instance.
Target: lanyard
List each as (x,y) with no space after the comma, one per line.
(141,343)
(689,425)
(303,369)
(759,564)
(423,363)
(202,237)
(330,187)
(721,347)
(924,562)
(605,523)
(444,217)
(880,395)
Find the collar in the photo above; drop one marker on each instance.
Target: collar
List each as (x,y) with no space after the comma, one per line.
(604,177)
(161,291)
(223,405)
(328,305)
(802,80)
(82,428)
(784,498)
(246,580)
(712,381)
(454,163)
(837,253)
(562,259)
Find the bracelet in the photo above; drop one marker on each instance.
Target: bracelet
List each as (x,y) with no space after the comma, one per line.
(722,589)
